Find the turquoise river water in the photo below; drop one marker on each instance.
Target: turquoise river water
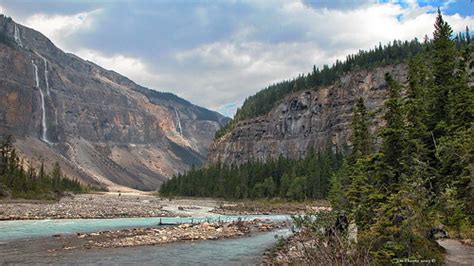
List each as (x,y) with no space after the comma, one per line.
(246,250)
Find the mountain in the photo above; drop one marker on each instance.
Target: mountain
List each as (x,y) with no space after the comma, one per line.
(317,118)
(101,127)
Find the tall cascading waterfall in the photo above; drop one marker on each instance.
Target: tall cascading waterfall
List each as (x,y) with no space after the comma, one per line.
(46,75)
(44,135)
(178,121)
(16,36)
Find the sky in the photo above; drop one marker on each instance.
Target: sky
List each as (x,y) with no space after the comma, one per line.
(217,53)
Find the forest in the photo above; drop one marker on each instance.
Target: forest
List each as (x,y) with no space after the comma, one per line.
(422,175)
(283,178)
(18,181)
(392,53)
(419,176)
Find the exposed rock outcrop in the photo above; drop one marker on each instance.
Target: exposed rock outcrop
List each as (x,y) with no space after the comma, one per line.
(318,119)
(102,127)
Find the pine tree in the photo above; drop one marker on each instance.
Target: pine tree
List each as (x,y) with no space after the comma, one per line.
(360,127)
(393,140)
(444,65)
(56,177)
(338,185)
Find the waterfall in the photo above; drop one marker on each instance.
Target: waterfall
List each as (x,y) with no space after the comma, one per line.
(178,121)
(16,36)
(36,74)
(44,136)
(46,75)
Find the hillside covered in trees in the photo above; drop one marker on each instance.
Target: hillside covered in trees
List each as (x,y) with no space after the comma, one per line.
(422,176)
(29,183)
(419,177)
(392,53)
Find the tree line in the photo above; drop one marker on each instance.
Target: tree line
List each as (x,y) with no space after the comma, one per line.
(418,175)
(284,178)
(421,176)
(263,101)
(392,53)
(18,181)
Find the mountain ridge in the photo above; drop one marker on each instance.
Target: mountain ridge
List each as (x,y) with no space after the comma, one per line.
(101,126)
(317,118)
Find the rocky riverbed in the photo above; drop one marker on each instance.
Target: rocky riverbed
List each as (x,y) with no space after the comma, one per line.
(160,235)
(86,206)
(268,207)
(170,234)
(127,205)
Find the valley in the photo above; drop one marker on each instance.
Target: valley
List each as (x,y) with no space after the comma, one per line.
(103,129)
(367,159)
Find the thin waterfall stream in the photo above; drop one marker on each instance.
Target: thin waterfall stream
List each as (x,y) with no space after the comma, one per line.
(178,121)
(16,36)
(46,75)
(44,129)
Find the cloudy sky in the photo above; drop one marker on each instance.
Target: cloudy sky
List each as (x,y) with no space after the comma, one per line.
(216,53)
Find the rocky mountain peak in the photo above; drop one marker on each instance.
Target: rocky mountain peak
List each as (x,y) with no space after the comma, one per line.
(102,127)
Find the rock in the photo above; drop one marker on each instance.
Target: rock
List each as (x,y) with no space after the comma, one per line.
(184,226)
(307,119)
(438,233)
(162,131)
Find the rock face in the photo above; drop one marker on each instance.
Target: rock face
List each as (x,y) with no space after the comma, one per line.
(102,127)
(318,119)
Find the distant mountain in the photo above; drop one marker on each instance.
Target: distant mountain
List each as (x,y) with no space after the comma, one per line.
(102,127)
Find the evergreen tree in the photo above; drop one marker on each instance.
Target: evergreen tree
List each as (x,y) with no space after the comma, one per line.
(360,127)
(393,140)
(18,182)
(444,64)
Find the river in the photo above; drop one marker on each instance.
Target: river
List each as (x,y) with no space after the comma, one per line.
(245,250)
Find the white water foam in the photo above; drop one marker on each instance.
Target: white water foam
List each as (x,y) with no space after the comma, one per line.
(178,121)
(46,75)
(44,135)
(16,36)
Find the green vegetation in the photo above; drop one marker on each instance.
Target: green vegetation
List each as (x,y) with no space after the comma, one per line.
(419,177)
(263,101)
(18,182)
(422,175)
(285,178)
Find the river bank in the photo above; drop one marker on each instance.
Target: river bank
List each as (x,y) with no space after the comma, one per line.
(53,247)
(127,205)
(164,234)
(105,205)
(265,207)
(234,251)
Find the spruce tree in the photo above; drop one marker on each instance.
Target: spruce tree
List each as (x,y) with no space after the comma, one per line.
(393,139)
(360,129)
(444,64)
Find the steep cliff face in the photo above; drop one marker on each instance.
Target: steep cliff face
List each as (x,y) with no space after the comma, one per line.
(101,126)
(310,119)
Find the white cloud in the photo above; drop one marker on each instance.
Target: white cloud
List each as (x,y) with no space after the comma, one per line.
(131,67)
(240,66)
(3,10)
(270,42)
(60,28)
